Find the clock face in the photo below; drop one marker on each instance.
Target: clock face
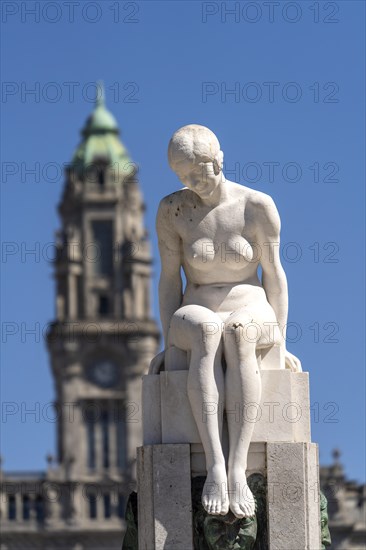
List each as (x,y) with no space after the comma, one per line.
(104,373)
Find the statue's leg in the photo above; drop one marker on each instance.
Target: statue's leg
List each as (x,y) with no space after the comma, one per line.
(198,330)
(242,399)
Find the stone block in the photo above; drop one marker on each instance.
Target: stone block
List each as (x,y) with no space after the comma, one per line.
(293,496)
(282,415)
(151,410)
(177,422)
(270,358)
(256,459)
(284,411)
(145,491)
(164,497)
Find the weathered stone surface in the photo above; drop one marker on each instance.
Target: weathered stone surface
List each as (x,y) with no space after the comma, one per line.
(164,498)
(312,493)
(151,413)
(145,491)
(215,532)
(293,496)
(177,422)
(256,459)
(282,415)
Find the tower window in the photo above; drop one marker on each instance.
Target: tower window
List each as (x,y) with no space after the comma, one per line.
(102,260)
(103,306)
(96,172)
(101,176)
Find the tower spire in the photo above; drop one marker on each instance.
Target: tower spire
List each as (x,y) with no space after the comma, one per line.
(100,94)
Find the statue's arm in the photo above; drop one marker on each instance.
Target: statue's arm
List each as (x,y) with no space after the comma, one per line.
(274,279)
(170,283)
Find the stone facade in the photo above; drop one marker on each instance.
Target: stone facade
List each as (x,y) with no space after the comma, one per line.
(346,507)
(100,344)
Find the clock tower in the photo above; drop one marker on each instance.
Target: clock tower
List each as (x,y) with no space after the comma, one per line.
(104,336)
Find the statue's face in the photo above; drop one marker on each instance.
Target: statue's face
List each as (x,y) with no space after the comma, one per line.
(227,533)
(199,177)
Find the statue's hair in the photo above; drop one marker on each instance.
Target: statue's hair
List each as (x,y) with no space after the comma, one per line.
(194,142)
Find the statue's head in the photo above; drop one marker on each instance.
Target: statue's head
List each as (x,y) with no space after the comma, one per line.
(230,533)
(195,156)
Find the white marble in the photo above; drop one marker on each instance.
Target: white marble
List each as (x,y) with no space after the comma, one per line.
(282,414)
(219,232)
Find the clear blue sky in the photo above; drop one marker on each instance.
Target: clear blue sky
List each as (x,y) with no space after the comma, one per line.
(293,129)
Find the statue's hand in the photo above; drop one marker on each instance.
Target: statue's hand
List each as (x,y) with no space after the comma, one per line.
(292,363)
(157,363)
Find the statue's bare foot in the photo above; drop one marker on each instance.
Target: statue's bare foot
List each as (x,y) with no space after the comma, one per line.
(214,495)
(242,503)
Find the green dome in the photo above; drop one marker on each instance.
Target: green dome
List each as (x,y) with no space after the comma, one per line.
(101,120)
(101,142)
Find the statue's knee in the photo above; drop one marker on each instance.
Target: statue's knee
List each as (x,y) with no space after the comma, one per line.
(211,331)
(195,327)
(241,334)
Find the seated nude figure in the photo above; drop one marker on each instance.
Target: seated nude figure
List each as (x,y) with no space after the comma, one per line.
(219,232)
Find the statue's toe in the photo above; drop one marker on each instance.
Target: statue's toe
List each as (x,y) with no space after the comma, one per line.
(224,508)
(236,510)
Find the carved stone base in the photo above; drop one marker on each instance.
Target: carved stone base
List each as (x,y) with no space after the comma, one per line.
(171,515)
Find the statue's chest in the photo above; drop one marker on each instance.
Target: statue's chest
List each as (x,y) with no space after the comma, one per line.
(223,232)
(218,223)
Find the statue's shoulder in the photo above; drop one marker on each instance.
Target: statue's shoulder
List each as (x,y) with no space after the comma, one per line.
(261,202)
(168,205)
(174,200)
(261,208)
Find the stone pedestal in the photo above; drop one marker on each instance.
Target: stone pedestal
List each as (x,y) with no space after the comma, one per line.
(281,451)
(293,496)
(164,497)
(282,415)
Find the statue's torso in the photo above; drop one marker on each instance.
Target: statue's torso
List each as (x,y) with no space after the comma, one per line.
(220,253)
(218,244)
